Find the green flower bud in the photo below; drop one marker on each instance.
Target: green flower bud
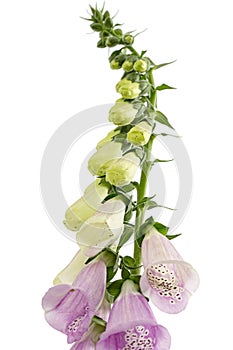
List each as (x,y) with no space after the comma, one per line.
(101,44)
(122,113)
(140,134)
(112,41)
(128,89)
(127,66)
(140,66)
(96,27)
(128,39)
(118,31)
(104,157)
(86,206)
(115,65)
(122,172)
(107,139)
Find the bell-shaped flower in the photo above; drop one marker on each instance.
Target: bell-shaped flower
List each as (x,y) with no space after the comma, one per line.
(107,139)
(128,89)
(104,157)
(140,134)
(86,206)
(132,325)
(167,280)
(122,113)
(70,308)
(104,227)
(71,271)
(122,172)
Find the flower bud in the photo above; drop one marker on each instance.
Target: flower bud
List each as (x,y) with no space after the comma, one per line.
(107,139)
(97,27)
(127,66)
(115,65)
(104,157)
(128,89)
(122,172)
(112,41)
(140,134)
(86,206)
(140,66)
(122,113)
(128,39)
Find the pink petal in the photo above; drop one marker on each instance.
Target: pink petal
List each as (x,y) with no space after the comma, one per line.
(54,296)
(169,284)
(92,282)
(163,338)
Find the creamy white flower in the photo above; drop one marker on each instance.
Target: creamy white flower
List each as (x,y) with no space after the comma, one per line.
(104,227)
(104,157)
(86,206)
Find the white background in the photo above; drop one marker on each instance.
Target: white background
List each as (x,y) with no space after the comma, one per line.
(50,70)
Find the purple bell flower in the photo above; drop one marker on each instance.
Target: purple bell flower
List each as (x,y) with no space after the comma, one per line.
(132,324)
(70,308)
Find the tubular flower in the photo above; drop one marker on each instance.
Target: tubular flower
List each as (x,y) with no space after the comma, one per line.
(140,134)
(70,308)
(122,172)
(70,272)
(104,227)
(132,324)
(86,206)
(104,157)
(167,280)
(128,89)
(122,113)
(107,139)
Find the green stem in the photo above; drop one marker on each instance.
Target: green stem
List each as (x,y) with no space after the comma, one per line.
(141,192)
(130,48)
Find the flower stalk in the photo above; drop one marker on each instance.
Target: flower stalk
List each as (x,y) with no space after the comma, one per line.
(107,216)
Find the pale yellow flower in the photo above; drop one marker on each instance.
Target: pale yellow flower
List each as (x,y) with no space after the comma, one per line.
(122,172)
(104,157)
(140,134)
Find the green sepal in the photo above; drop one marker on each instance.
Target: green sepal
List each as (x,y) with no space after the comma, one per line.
(99,321)
(170,237)
(129,262)
(114,288)
(125,274)
(161,228)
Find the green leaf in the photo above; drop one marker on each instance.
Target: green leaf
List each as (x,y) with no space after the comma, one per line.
(126,235)
(157,66)
(170,237)
(162,119)
(163,87)
(161,161)
(115,288)
(161,228)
